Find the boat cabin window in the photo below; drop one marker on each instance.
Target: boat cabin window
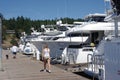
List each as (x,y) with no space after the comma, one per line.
(51,29)
(87,49)
(62,28)
(75,46)
(95,18)
(77,34)
(78,46)
(55,38)
(42,30)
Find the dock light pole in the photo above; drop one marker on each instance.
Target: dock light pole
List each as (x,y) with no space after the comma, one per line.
(1,69)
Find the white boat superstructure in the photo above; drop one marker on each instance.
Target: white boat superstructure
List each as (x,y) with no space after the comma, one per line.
(76,54)
(48,32)
(105,62)
(96,68)
(112,48)
(77,35)
(78,32)
(95,32)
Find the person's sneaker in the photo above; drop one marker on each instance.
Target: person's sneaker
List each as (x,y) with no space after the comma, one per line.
(49,71)
(44,70)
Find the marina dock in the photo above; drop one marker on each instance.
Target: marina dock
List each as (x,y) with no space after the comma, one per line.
(25,68)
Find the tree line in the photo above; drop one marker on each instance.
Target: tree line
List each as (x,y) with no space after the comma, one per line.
(23,24)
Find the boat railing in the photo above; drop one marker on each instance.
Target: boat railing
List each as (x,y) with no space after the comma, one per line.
(89,56)
(71,59)
(97,62)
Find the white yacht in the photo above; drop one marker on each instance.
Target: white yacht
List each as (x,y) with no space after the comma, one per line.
(95,31)
(75,36)
(105,60)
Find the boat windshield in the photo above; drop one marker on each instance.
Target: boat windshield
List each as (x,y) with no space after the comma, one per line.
(95,18)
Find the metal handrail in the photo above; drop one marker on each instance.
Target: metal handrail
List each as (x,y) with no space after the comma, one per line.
(97,61)
(73,58)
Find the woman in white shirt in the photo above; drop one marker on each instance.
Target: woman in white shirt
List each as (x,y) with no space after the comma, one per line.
(46,58)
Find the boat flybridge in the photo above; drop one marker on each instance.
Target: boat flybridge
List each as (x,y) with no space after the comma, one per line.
(77,30)
(49,32)
(105,63)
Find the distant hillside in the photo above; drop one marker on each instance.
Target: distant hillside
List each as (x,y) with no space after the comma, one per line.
(7,43)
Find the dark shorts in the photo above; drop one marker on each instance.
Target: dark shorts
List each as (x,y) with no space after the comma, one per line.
(14,53)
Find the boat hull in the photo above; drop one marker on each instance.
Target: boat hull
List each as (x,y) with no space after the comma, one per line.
(56,47)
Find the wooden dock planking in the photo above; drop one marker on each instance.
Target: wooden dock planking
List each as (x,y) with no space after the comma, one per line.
(24,68)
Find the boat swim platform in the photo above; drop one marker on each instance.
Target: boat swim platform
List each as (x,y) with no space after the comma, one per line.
(25,68)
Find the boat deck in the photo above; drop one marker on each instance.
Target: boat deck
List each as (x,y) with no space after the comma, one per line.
(25,68)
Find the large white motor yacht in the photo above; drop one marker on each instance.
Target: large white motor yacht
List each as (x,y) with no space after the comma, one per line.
(76,35)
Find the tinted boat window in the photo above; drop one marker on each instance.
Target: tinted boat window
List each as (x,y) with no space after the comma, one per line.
(95,18)
(77,34)
(87,49)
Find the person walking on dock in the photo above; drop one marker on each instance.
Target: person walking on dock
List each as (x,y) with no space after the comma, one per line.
(14,50)
(7,56)
(46,58)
